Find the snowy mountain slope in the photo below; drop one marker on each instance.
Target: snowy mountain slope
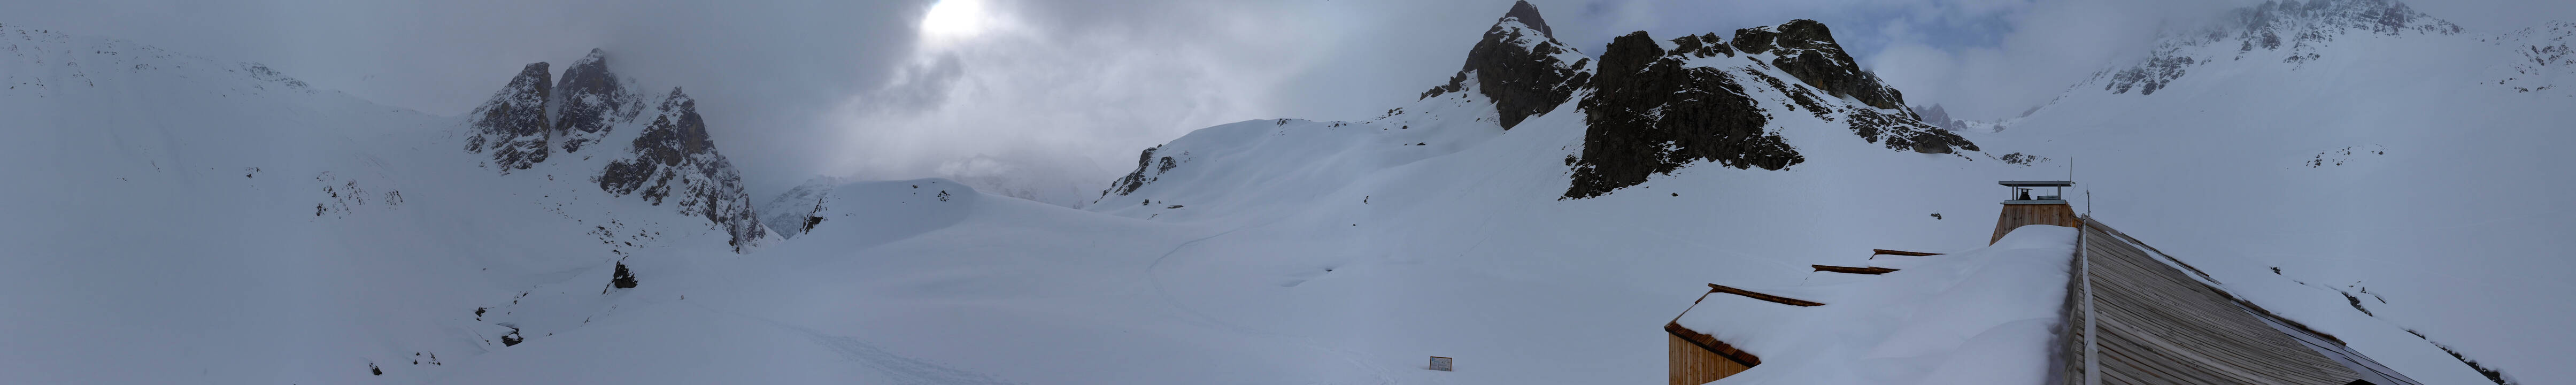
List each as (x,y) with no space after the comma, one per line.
(2418,166)
(1267,251)
(1661,106)
(662,157)
(184,220)
(1296,251)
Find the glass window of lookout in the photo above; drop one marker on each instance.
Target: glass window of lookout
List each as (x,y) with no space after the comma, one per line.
(2021,189)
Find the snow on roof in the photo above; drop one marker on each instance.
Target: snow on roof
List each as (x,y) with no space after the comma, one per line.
(1980,316)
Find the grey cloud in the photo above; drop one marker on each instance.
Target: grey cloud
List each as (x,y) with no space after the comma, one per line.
(1059,101)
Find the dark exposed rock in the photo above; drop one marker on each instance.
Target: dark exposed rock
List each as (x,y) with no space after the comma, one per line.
(1136,179)
(1702,45)
(1528,15)
(1649,114)
(623,279)
(1517,65)
(1806,49)
(1755,40)
(2149,76)
(513,124)
(512,339)
(589,100)
(673,158)
(1905,133)
(1798,96)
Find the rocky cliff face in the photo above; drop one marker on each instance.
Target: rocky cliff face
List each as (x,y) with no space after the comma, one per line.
(1806,49)
(1146,169)
(589,101)
(1523,69)
(674,161)
(668,160)
(1650,114)
(512,126)
(1652,111)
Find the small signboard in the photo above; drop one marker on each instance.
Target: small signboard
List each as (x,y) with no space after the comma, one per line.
(1440,363)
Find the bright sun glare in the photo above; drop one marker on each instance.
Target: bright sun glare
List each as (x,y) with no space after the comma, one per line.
(954,18)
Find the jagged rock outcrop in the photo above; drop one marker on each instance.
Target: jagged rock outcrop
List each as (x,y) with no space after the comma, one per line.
(1648,114)
(1137,179)
(589,101)
(622,278)
(1901,132)
(674,159)
(796,211)
(512,126)
(1652,111)
(1806,49)
(1521,67)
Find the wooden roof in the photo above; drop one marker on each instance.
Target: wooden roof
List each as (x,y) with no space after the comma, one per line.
(2149,323)
(2037,183)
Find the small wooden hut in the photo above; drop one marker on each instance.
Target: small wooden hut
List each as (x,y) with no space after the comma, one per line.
(2026,209)
(1697,358)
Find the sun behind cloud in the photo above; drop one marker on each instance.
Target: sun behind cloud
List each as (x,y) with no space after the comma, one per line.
(956,19)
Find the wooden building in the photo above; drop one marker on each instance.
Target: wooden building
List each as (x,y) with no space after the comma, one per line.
(2025,209)
(2131,315)
(1696,358)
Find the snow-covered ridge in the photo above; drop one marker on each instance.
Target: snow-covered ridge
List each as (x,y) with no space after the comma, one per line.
(2291,31)
(1655,107)
(50,60)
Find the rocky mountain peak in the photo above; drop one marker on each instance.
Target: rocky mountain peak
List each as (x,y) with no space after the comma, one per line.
(1651,114)
(1528,15)
(671,159)
(512,126)
(590,100)
(674,160)
(1806,49)
(1523,69)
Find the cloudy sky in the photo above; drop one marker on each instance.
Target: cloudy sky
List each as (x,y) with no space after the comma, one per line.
(1058,96)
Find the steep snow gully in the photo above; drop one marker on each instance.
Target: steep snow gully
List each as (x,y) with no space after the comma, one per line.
(1536,217)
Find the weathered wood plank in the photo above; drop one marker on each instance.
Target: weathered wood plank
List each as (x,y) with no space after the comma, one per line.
(1854,270)
(1766,297)
(1879,252)
(2156,325)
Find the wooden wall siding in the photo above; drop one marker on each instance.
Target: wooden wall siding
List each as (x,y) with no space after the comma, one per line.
(1692,365)
(2016,216)
(2158,326)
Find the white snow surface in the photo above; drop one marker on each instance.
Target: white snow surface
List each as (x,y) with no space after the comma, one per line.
(161,227)
(1982,316)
